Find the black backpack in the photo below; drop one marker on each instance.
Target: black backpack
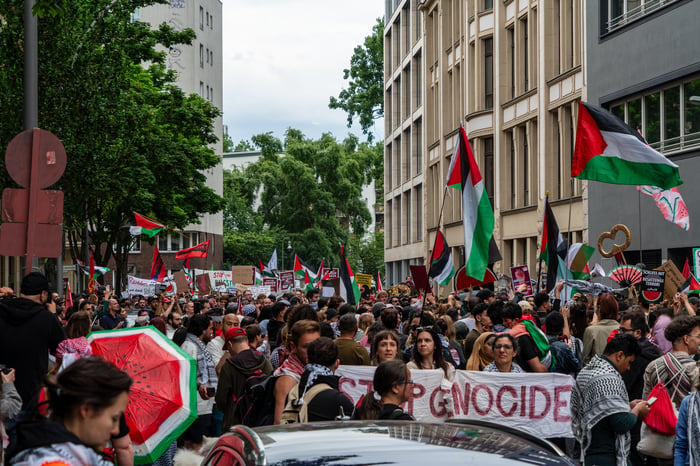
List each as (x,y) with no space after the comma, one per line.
(565,362)
(256,406)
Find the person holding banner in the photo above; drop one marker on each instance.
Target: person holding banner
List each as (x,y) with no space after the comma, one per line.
(427,353)
(392,387)
(505,347)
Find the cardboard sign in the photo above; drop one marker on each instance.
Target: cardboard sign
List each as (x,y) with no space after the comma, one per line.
(674,279)
(420,278)
(521,275)
(536,403)
(363,279)
(242,274)
(180,279)
(653,285)
(270,282)
(141,286)
(258,289)
(696,261)
(203,283)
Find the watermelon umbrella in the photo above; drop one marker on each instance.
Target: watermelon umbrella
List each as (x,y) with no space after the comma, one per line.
(163,399)
(626,275)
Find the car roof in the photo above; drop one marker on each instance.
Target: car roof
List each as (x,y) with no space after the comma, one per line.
(394,442)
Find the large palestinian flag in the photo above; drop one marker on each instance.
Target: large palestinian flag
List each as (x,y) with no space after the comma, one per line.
(552,248)
(609,151)
(442,267)
(477,213)
(144,226)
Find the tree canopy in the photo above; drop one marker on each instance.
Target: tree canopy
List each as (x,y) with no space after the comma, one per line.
(135,141)
(309,193)
(364,96)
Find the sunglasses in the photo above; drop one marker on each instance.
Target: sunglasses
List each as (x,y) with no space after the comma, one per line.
(424,329)
(502,346)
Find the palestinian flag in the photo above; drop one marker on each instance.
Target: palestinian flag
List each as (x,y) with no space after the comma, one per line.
(301,269)
(442,268)
(686,269)
(691,286)
(144,226)
(349,290)
(199,250)
(266,271)
(380,287)
(477,213)
(158,271)
(609,151)
(552,248)
(86,270)
(577,258)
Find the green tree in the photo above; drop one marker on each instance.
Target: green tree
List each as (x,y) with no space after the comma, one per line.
(244,145)
(364,97)
(135,141)
(228,145)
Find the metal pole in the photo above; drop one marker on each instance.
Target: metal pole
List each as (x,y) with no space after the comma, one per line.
(31,89)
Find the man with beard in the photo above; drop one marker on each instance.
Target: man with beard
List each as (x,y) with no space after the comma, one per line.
(29,329)
(199,333)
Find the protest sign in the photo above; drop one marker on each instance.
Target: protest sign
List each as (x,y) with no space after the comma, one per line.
(141,286)
(180,279)
(420,278)
(521,276)
(696,261)
(674,279)
(363,279)
(271,282)
(536,403)
(259,289)
(242,274)
(332,273)
(203,284)
(286,280)
(653,284)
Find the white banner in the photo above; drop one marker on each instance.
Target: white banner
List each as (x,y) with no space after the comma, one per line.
(536,403)
(141,286)
(220,279)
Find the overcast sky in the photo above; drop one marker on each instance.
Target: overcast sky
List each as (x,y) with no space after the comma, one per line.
(283,59)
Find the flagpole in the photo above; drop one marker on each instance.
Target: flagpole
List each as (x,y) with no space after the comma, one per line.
(539,267)
(639,207)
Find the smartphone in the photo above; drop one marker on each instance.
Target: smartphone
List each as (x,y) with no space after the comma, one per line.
(211,391)
(651,401)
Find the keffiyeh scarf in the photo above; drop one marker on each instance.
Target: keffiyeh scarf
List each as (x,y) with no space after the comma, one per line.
(599,392)
(206,369)
(694,428)
(314,371)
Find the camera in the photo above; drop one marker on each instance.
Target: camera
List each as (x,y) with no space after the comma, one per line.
(5,369)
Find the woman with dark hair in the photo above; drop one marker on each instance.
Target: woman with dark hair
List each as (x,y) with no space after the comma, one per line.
(392,387)
(427,353)
(482,353)
(86,402)
(595,337)
(505,347)
(385,347)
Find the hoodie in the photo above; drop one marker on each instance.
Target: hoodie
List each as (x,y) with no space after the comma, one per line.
(232,378)
(46,442)
(28,331)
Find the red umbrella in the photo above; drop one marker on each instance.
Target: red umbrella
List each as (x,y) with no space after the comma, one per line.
(163,399)
(462,281)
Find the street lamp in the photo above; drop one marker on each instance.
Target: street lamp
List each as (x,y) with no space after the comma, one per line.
(289,251)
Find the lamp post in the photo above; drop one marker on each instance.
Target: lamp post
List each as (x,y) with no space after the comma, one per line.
(289,251)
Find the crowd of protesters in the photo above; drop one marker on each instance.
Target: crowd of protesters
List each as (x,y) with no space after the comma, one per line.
(618,351)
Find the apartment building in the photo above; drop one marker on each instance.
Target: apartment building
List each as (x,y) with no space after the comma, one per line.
(404,139)
(643,64)
(512,73)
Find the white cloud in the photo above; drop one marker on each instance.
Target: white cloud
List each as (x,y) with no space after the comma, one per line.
(283,59)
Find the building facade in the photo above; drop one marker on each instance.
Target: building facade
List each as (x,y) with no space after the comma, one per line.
(644,66)
(404,139)
(512,73)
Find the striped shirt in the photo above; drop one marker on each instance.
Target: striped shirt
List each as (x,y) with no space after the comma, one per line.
(677,371)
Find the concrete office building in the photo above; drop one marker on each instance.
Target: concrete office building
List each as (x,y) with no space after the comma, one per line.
(404,139)
(644,66)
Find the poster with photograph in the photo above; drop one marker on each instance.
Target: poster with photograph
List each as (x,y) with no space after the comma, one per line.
(521,276)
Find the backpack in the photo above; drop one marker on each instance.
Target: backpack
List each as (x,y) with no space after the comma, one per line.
(256,406)
(541,343)
(298,410)
(565,362)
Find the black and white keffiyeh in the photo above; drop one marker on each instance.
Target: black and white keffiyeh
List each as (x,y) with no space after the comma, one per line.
(599,391)
(314,370)
(206,369)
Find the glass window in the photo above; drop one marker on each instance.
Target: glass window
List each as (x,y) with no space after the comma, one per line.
(672,113)
(488,73)
(488,4)
(201,18)
(136,247)
(619,111)
(652,118)
(691,96)
(489,172)
(175,242)
(163,241)
(634,114)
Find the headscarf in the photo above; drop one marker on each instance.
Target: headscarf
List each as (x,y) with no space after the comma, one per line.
(478,359)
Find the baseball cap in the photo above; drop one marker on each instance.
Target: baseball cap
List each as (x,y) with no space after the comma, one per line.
(234,332)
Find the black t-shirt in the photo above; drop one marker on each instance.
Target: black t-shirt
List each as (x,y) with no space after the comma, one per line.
(526,351)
